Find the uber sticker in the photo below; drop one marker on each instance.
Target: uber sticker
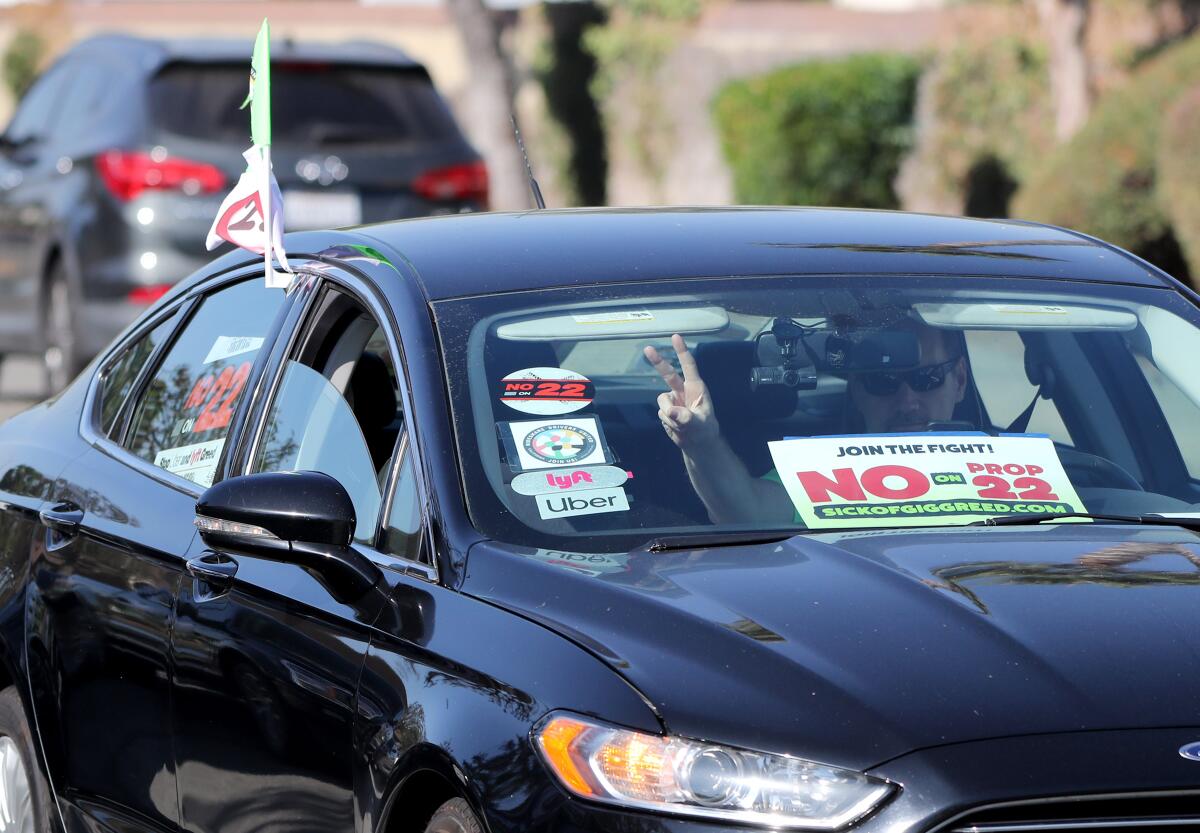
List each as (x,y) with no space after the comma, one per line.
(226,346)
(568,480)
(196,462)
(591,502)
(546,391)
(542,444)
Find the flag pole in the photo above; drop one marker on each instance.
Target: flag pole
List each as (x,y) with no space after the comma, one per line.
(268,238)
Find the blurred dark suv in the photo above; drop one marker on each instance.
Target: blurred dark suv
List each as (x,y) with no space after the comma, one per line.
(117,159)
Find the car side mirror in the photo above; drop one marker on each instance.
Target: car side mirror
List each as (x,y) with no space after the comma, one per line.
(299,517)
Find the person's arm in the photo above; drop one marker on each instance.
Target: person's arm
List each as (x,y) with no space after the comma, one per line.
(718,475)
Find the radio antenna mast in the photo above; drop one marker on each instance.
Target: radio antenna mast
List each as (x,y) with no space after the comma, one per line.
(533,186)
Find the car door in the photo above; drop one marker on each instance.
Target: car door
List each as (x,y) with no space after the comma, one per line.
(102,594)
(267,655)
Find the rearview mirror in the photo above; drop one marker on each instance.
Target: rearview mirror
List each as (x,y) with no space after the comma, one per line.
(301,517)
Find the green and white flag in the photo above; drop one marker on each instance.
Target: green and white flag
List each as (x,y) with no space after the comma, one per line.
(251,216)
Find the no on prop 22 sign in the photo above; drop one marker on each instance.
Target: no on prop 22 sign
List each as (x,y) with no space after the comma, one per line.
(921,479)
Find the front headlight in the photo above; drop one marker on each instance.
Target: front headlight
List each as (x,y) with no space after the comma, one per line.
(705,780)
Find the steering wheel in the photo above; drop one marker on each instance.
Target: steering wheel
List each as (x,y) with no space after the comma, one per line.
(1086,470)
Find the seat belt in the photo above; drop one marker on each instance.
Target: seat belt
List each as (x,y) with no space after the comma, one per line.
(1019,424)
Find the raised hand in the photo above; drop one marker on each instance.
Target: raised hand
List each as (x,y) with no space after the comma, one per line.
(685,411)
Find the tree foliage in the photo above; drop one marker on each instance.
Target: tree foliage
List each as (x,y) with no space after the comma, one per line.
(820,133)
(22,59)
(1179,176)
(992,102)
(1105,181)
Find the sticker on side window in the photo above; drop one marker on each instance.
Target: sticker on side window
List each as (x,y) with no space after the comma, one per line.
(226,346)
(546,391)
(541,444)
(196,462)
(211,401)
(927,479)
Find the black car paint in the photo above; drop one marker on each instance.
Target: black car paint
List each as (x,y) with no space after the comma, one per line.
(293,709)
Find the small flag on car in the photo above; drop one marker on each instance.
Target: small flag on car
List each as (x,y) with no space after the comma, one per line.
(251,216)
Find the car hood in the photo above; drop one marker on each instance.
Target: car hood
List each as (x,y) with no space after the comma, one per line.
(853,648)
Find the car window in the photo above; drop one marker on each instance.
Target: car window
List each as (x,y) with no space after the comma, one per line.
(337,411)
(181,421)
(401,533)
(121,373)
(313,104)
(805,387)
(37,109)
(1006,394)
(1181,411)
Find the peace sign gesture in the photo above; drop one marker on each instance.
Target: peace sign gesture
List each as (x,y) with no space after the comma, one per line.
(685,410)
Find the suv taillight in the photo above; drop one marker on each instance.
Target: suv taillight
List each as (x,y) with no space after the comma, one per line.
(129,173)
(457,182)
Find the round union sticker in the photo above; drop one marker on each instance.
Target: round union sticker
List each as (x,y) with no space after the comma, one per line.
(559,444)
(546,391)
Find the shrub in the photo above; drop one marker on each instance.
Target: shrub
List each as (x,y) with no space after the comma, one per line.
(820,133)
(22,57)
(993,108)
(1104,181)
(1178,176)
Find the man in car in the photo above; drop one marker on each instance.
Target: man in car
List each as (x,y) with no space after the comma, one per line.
(889,403)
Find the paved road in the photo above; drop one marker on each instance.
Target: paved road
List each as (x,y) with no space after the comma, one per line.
(20,385)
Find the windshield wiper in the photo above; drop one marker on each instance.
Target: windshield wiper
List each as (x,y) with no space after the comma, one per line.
(1147,520)
(719,539)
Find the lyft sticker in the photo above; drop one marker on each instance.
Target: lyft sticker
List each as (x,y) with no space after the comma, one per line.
(574,480)
(591,502)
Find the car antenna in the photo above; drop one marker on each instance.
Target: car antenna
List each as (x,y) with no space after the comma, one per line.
(533,186)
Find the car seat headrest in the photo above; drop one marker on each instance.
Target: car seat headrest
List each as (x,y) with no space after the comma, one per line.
(371,393)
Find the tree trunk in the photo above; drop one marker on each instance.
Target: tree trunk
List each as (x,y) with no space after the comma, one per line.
(1065,24)
(490,95)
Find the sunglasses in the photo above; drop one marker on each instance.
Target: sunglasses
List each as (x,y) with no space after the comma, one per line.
(921,380)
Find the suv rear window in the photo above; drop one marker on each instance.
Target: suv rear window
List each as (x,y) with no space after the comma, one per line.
(311,103)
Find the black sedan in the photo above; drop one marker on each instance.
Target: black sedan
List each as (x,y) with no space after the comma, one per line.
(671,520)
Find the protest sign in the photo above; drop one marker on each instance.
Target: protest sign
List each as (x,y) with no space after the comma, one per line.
(921,479)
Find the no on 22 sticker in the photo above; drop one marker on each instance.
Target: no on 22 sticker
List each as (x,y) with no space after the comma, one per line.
(546,391)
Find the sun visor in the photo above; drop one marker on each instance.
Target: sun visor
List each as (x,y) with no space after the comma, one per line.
(616,322)
(1016,316)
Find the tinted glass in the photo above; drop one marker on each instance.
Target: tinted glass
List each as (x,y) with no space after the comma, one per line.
(311,104)
(121,374)
(569,438)
(337,411)
(182,419)
(401,533)
(312,428)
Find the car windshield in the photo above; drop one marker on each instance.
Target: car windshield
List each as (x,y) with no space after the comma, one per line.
(595,419)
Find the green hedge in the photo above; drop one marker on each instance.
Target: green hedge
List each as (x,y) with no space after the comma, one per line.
(1179,176)
(821,133)
(1105,180)
(992,100)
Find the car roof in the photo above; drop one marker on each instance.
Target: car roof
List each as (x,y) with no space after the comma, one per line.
(152,53)
(479,254)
